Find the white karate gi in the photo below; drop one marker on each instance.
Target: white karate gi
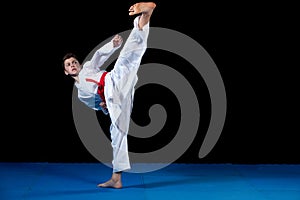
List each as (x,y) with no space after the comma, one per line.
(119,88)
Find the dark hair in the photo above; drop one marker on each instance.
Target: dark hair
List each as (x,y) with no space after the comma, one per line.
(67,56)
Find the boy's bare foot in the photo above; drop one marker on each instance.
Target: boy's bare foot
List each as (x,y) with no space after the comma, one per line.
(111,184)
(114,182)
(142,7)
(146,8)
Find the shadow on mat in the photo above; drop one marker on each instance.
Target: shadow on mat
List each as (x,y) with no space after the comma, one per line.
(167,183)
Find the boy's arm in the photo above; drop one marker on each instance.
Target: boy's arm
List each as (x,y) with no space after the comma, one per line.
(102,54)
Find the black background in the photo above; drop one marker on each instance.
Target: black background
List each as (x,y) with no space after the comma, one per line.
(253,46)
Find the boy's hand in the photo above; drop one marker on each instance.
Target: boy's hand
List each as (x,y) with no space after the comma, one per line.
(117,40)
(103,105)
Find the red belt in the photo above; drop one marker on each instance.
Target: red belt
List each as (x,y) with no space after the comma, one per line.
(101,85)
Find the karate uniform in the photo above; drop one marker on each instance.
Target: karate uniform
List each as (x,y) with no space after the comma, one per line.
(119,88)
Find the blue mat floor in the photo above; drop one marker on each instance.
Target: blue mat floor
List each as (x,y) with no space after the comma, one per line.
(176,181)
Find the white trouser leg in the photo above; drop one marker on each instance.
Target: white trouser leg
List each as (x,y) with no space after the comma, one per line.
(124,73)
(119,131)
(121,82)
(120,150)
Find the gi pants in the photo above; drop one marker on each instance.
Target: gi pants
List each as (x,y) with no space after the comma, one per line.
(119,92)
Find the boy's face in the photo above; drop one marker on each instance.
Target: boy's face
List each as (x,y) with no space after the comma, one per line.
(72,66)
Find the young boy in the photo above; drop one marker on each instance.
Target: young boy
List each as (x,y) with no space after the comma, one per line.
(112,92)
